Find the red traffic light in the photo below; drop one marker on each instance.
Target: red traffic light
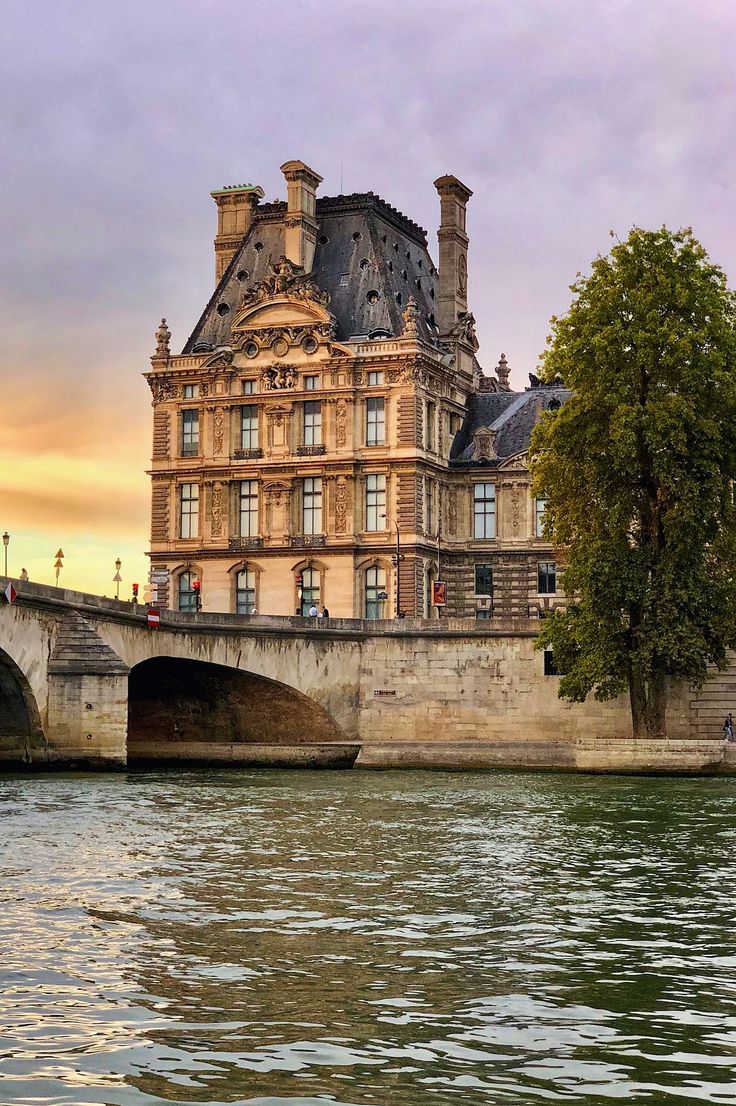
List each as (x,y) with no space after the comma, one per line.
(196,585)
(299,580)
(135,589)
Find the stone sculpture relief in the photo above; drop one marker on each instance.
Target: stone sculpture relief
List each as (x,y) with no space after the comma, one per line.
(278,378)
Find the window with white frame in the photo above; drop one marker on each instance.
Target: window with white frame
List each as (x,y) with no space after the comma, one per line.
(249,427)
(312,505)
(430,436)
(547,578)
(484,580)
(310,590)
(311,383)
(375,587)
(540,506)
(245,591)
(375,424)
(312,422)
(375,378)
(188,510)
(189,433)
(248,508)
(375,501)
(191,391)
(429,500)
(484,510)
(248,387)
(186,595)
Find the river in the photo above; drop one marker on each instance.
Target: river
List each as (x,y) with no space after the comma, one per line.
(393,939)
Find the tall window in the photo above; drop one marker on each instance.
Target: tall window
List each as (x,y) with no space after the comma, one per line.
(375,421)
(430,434)
(540,506)
(429,499)
(310,589)
(375,585)
(248,508)
(248,387)
(188,510)
(312,505)
(189,433)
(187,596)
(313,422)
(249,427)
(245,591)
(375,502)
(483,580)
(484,511)
(547,578)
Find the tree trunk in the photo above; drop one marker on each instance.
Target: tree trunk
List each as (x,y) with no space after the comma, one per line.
(648,699)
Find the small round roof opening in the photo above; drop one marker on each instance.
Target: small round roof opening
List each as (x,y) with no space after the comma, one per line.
(373,296)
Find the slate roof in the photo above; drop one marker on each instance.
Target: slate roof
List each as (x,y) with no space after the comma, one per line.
(512,415)
(369,257)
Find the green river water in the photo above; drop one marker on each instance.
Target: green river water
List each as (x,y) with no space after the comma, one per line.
(296,938)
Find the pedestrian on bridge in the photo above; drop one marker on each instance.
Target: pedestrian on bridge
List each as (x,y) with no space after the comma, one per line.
(728,727)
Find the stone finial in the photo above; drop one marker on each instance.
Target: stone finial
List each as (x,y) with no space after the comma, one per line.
(163,337)
(502,372)
(410,316)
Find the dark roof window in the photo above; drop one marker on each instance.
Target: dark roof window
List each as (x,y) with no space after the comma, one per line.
(365,263)
(258,247)
(373,296)
(323,239)
(357,236)
(404,274)
(431,293)
(223,309)
(243,276)
(398,297)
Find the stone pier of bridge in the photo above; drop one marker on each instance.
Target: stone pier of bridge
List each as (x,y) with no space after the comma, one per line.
(85,683)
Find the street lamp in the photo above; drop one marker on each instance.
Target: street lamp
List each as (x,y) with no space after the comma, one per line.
(399,559)
(117,578)
(6,543)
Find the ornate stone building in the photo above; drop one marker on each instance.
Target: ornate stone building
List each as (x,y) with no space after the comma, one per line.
(329,408)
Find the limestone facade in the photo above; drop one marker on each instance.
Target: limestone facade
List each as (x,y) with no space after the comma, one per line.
(329,415)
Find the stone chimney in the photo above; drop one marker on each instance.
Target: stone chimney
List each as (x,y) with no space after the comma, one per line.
(452,296)
(300,237)
(235,205)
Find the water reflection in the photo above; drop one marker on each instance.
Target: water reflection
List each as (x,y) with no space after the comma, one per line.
(295,938)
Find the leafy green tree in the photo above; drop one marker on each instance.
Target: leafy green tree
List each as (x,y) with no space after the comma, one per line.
(638,468)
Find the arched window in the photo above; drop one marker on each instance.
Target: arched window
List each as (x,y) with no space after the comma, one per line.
(430,611)
(186,594)
(245,591)
(310,589)
(375,586)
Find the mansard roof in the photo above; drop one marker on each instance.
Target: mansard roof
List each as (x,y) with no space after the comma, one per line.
(369,258)
(510,416)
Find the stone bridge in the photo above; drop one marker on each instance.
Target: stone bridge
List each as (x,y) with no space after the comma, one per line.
(85,682)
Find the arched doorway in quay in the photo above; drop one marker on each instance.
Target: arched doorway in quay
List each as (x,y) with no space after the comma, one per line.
(187,710)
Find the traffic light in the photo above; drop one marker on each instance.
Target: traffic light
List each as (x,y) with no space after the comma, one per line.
(299,581)
(135,593)
(197,589)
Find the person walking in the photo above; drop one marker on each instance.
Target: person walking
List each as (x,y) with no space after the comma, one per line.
(313,612)
(728,727)
(325,614)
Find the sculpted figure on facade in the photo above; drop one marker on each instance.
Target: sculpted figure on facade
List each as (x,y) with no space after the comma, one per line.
(341,505)
(285,278)
(411,318)
(341,420)
(278,378)
(218,430)
(216,512)
(464,329)
(163,390)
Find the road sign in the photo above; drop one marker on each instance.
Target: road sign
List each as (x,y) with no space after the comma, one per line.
(161,575)
(10,594)
(153,618)
(59,552)
(439,593)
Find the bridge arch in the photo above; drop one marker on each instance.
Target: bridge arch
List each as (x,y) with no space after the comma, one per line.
(184,709)
(21,733)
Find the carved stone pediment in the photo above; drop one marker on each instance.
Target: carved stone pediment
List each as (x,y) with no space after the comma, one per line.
(484,444)
(220,359)
(163,389)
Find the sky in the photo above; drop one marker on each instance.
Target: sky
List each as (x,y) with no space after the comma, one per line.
(567,118)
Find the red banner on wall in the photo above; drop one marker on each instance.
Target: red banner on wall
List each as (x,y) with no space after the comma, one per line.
(439,593)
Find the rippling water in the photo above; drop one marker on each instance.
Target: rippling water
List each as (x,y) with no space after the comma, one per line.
(286,939)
